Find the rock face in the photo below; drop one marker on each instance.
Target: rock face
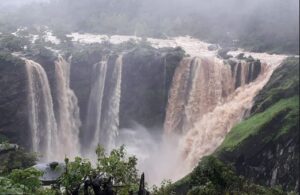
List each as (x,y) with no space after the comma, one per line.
(265,147)
(81,76)
(146,77)
(144,83)
(13,101)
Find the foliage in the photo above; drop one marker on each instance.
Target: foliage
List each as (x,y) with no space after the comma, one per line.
(120,167)
(76,172)
(24,181)
(165,188)
(27,178)
(16,159)
(3,139)
(284,83)
(206,189)
(117,165)
(7,59)
(212,176)
(7,186)
(12,43)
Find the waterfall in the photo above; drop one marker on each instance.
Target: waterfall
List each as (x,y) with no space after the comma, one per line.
(92,126)
(207,98)
(102,121)
(199,84)
(68,120)
(41,114)
(111,117)
(54,131)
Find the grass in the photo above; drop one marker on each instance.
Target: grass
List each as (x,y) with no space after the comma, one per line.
(257,122)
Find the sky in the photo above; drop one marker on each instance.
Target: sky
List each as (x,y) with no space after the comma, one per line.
(17,2)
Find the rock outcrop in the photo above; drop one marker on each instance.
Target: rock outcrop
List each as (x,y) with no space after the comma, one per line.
(13,100)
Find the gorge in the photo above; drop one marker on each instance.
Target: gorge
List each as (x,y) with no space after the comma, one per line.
(158,95)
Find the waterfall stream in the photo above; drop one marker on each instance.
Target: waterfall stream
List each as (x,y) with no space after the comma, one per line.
(102,122)
(93,121)
(54,132)
(207,98)
(111,117)
(41,114)
(68,120)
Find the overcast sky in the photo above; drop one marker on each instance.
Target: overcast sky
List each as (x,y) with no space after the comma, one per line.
(17,2)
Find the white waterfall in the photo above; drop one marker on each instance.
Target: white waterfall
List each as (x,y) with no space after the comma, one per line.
(102,122)
(93,120)
(68,119)
(111,118)
(54,131)
(41,114)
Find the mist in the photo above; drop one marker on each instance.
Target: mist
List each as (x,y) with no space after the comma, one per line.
(158,155)
(274,23)
(12,4)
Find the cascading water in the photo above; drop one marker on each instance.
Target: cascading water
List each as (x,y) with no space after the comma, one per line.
(41,114)
(111,117)
(93,120)
(68,120)
(207,98)
(54,131)
(199,85)
(102,122)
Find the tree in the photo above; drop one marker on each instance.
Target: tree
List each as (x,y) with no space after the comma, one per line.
(116,170)
(27,179)
(165,188)
(120,167)
(75,173)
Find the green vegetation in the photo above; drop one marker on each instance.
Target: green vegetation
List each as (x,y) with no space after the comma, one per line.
(76,171)
(256,123)
(212,176)
(16,159)
(7,59)
(3,139)
(270,134)
(20,182)
(164,188)
(284,83)
(118,166)
(29,178)
(12,43)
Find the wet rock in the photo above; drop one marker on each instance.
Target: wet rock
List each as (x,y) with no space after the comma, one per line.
(13,100)
(213,47)
(222,53)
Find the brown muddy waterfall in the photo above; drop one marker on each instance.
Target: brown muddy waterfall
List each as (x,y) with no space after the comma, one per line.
(207,98)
